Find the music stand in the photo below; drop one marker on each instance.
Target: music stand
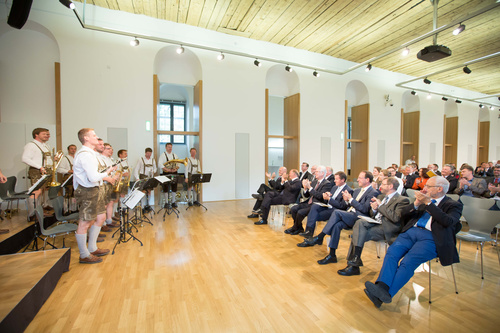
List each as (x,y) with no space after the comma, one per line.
(35,187)
(168,206)
(199,178)
(130,201)
(66,185)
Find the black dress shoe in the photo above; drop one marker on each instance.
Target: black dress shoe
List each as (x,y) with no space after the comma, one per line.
(258,196)
(355,262)
(174,205)
(289,230)
(310,242)
(329,259)
(378,292)
(296,232)
(349,270)
(374,299)
(261,222)
(306,234)
(253,216)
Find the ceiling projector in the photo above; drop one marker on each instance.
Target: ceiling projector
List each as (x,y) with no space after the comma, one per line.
(433,52)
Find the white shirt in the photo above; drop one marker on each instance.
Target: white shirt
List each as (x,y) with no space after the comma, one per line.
(337,192)
(429,222)
(33,156)
(145,166)
(66,164)
(163,159)
(193,166)
(85,169)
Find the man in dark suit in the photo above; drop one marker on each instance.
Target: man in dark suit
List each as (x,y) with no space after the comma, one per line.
(359,204)
(448,172)
(494,183)
(304,173)
(291,189)
(433,221)
(334,198)
(330,176)
(313,193)
(409,176)
(387,212)
(274,185)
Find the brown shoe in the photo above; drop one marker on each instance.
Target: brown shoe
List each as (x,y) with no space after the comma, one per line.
(113,225)
(90,260)
(4,231)
(100,252)
(101,236)
(100,240)
(116,219)
(105,228)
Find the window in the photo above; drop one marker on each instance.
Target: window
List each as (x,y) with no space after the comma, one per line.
(171,117)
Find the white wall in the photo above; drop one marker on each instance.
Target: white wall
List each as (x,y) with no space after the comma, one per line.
(108,83)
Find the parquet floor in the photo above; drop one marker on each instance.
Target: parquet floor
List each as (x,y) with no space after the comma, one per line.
(214,271)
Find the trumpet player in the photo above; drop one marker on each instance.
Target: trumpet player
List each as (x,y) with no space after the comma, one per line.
(90,195)
(36,155)
(169,169)
(146,168)
(192,167)
(106,162)
(65,168)
(125,169)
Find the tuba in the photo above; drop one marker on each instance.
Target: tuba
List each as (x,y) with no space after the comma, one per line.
(184,161)
(57,157)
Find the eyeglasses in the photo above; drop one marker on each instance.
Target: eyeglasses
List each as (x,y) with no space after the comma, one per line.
(431,185)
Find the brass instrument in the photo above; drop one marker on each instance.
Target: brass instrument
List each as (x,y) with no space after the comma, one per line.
(104,168)
(118,183)
(57,157)
(184,161)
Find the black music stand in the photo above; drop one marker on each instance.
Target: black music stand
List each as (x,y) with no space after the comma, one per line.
(169,206)
(35,187)
(66,185)
(131,200)
(199,178)
(148,185)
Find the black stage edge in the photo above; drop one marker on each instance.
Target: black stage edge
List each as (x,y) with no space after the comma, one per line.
(18,241)
(24,312)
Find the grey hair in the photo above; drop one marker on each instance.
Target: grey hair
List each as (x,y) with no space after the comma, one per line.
(442,182)
(452,168)
(322,169)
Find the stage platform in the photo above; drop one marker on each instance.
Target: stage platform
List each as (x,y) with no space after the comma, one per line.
(26,281)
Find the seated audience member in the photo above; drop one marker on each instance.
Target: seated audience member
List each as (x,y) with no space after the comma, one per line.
(433,220)
(329,175)
(302,196)
(314,192)
(448,172)
(388,213)
(334,198)
(469,185)
(392,173)
(383,174)
(421,180)
(483,170)
(411,160)
(409,176)
(291,189)
(494,183)
(359,204)
(304,173)
(274,185)
(376,170)
(434,167)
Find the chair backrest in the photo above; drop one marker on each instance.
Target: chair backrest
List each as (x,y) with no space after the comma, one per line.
(53,191)
(39,215)
(453,196)
(410,192)
(481,221)
(481,203)
(58,204)
(11,187)
(4,188)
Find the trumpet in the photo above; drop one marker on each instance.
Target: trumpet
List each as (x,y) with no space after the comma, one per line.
(118,183)
(184,161)
(57,157)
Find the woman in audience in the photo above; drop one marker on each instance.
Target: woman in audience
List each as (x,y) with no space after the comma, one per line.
(422,179)
(383,173)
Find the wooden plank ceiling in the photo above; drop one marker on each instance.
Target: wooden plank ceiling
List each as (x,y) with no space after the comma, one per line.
(355,30)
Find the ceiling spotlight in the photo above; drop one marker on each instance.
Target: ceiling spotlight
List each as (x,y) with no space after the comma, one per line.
(288,69)
(180,50)
(368,68)
(427,81)
(68,4)
(492,108)
(459,29)
(220,56)
(467,70)
(414,93)
(257,63)
(444,98)
(429,96)
(315,74)
(458,101)
(481,106)
(405,52)
(134,42)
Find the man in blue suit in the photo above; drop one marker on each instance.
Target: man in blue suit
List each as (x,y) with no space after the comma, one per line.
(433,221)
(334,199)
(358,204)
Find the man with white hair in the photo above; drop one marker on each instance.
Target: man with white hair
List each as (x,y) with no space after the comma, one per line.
(433,220)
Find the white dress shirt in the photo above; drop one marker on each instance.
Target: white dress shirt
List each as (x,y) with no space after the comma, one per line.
(163,159)
(33,156)
(145,166)
(66,164)
(85,169)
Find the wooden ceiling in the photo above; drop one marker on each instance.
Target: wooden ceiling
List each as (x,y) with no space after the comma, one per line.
(354,30)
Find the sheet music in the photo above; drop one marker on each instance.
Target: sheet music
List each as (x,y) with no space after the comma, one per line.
(323,205)
(162,179)
(369,219)
(67,180)
(132,199)
(38,182)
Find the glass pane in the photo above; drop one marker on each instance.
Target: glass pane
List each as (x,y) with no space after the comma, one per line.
(178,138)
(164,138)
(178,124)
(164,110)
(164,124)
(179,111)
(275,154)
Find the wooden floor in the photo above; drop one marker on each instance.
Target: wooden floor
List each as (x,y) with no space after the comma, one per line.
(215,271)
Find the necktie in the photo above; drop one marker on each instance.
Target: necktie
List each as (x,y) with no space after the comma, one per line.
(496,180)
(378,217)
(358,197)
(422,221)
(311,198)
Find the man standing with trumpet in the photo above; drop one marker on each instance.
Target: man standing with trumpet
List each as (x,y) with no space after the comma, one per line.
(193,166)
(169,168)
(90,195)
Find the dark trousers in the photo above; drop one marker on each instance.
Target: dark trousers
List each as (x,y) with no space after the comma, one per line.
(271,198)
(339,220)
(299,213)
(318,213)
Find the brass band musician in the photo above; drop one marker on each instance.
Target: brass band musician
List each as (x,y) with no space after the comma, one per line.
(65,169)
(146,168)
(193,166)
(169,169)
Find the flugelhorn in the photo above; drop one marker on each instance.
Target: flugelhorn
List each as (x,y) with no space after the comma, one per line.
(57,157)
(184,161)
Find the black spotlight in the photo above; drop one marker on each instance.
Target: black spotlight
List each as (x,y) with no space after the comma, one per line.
(315,74)
(459,29)
(368,68)
(458,101)
(481,106)
(68,4)
(499,98)
(444,98)
(288,69)
(414,93)
(467,70)
(257,63)
(427,81)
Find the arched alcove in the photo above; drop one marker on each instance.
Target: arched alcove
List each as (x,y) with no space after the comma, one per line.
(182,69)
(282,119)
(410,127)
(357,129)
(450,132)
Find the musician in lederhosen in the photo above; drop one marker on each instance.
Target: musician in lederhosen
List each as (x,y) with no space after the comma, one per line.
(192,167)
(126,171)
(169,169)
(36,155)
(65,169)
(146,168)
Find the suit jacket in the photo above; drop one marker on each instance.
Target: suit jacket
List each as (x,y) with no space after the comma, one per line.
(478,187)
(391,216)
(306,176)
(445,224)
(491,181)
(399,174)
(290,191)
(410,179)
(453,183)
(317,194)
(363,205)
(339,202)
(276,184)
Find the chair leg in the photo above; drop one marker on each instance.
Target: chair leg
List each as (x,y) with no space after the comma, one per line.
(376,247)
(454,280)
(430,288)
(482,275)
